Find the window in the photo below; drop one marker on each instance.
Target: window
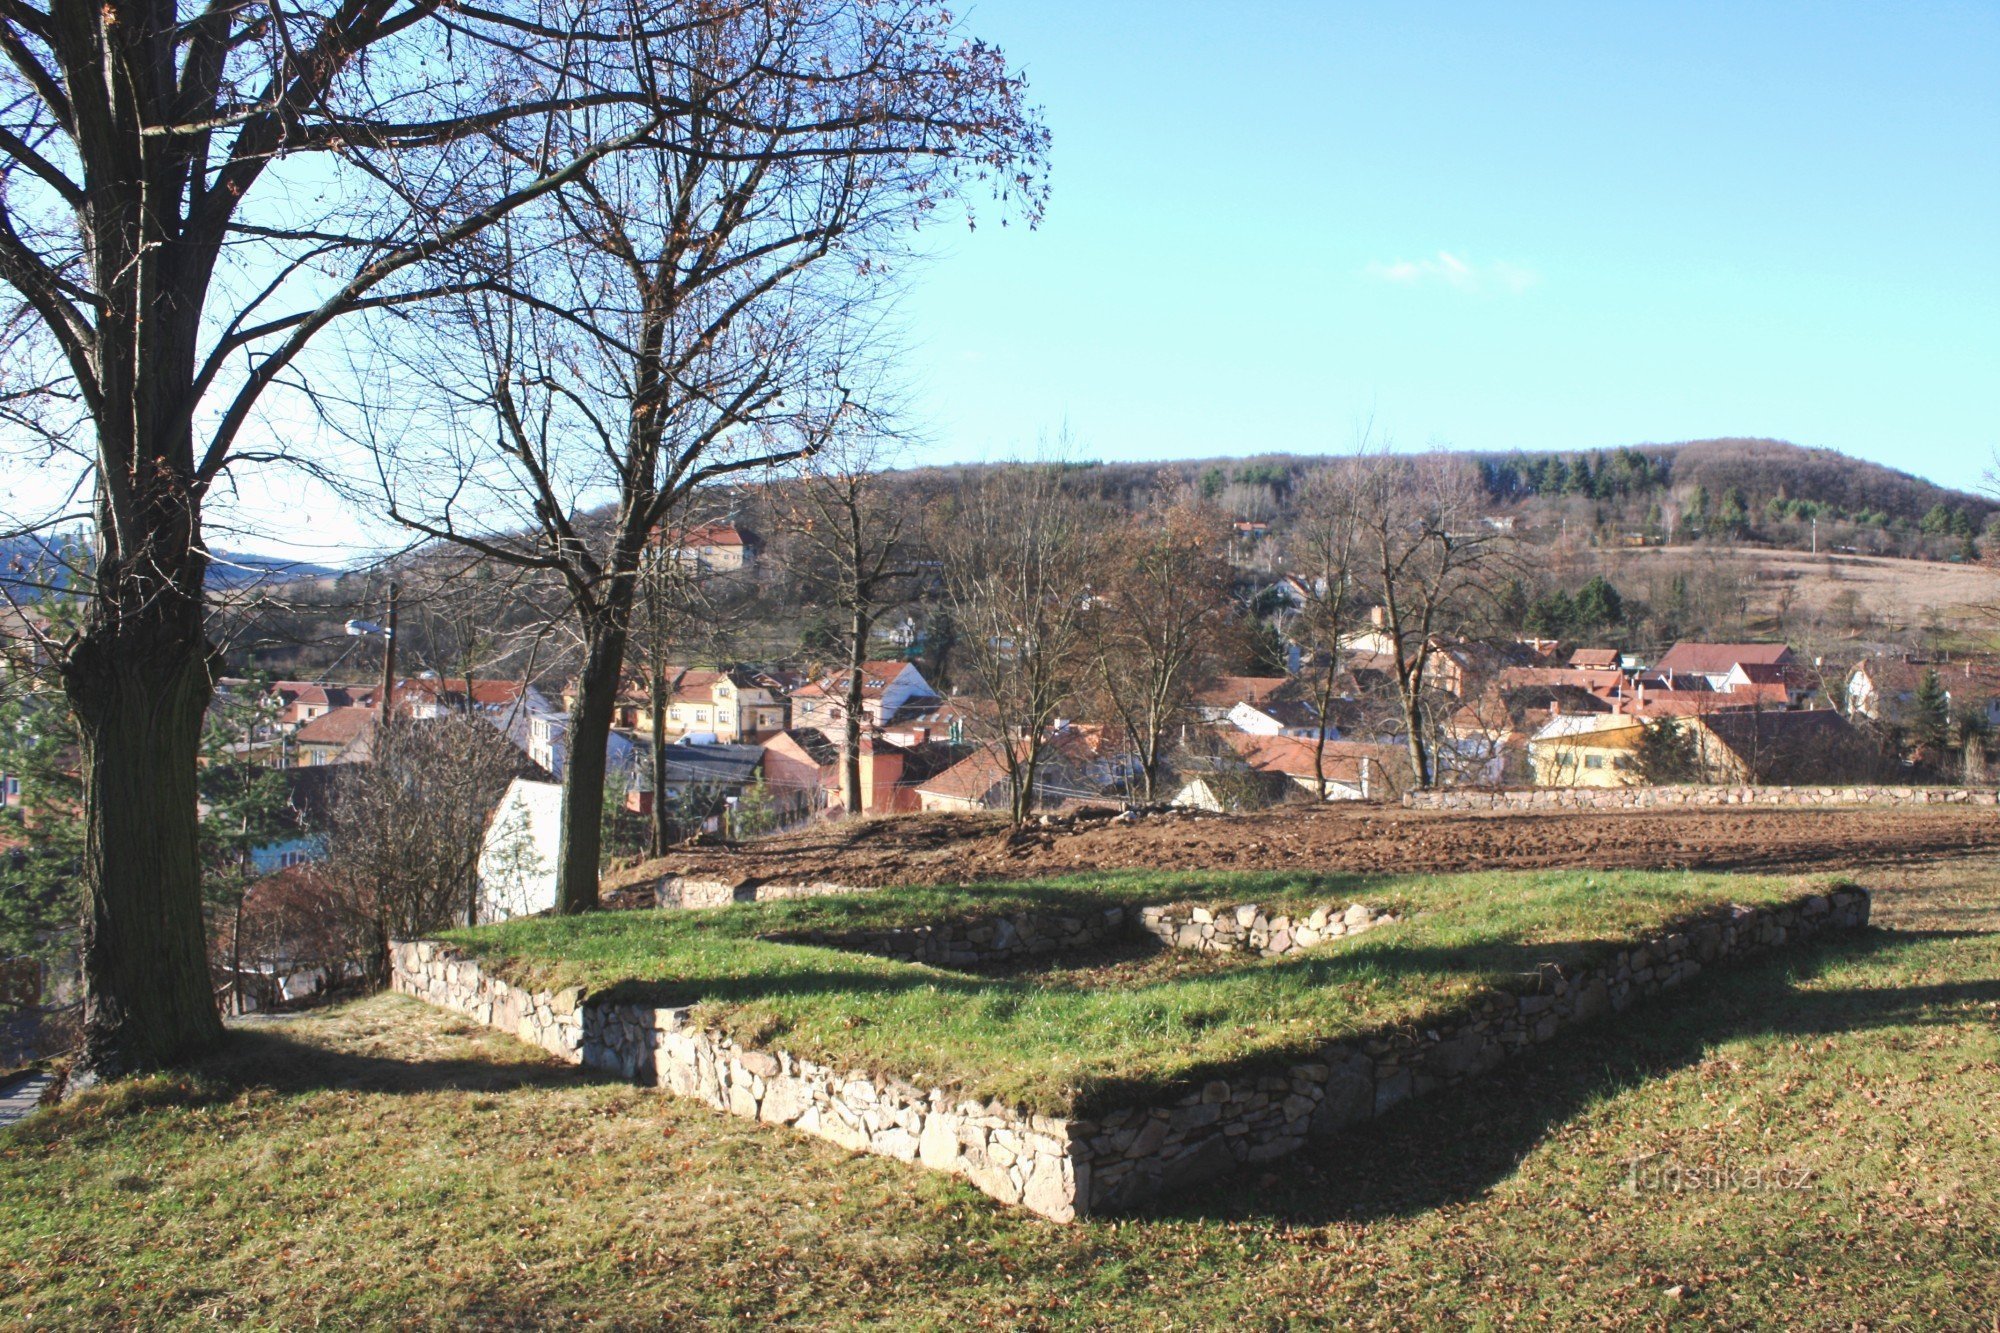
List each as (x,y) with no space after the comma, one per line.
(701,715)
(1593,761)
(674,713)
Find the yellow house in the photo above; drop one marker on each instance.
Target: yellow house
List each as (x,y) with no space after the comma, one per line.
(1586,750)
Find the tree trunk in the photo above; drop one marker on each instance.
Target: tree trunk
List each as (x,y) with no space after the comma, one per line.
(656,700)
(857,652)
(584,768)
(139,684)
(1412,723)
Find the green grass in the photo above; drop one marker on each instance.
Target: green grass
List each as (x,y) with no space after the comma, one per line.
(1066,1042)
(385,1163)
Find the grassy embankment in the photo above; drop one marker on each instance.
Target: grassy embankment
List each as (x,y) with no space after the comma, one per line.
(1827,1116)
(1077,1038)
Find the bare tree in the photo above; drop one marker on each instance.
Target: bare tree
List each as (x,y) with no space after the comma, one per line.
(1019,558)
(852,542)
(679,614)
(1324,546)
(190,196)
(1430,560)
(683,315)
(407,827)
(1158,623)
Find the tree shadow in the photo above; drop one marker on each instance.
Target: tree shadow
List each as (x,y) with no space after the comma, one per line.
(1456,1144)
(268,1059)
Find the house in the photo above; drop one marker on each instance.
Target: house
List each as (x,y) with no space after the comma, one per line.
(521,851)
(802,773)
(1882,689)
(1279,717)
(1713,662)
(714,547)
(715,774)
(340,735)
(428,696)
(1603,681)
(1767,748)
(1069,773)
(1214,700)
(1354,771)
(1595,659)
(548,744)
(1239,771)
(888,690)
(976,782)
(309,796)
(298,702)
(1586,750)
(731,705)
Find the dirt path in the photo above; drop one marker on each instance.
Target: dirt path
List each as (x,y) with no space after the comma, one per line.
(933,848)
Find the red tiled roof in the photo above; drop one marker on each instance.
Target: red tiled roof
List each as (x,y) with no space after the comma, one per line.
(1293,756)
(338,727)
(972,777)
(1596,680)
(1228,691)
(1595,657)
(1700,659)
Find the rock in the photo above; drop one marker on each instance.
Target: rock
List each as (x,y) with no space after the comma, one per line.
(1047,1193)
(937,1145)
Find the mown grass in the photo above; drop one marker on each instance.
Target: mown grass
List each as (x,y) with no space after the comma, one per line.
(1066,1043)
(388,1164)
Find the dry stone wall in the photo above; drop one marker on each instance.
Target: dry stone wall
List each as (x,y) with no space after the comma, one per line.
(1067,1168)
(1140,1152)
(1650,798)
(675,891)
(1248,928)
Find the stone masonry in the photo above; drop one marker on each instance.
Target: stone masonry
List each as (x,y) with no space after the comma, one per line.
(1067,1168)
(683,891)
(1651,798)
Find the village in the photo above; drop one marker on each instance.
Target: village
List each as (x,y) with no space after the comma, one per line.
(878,664)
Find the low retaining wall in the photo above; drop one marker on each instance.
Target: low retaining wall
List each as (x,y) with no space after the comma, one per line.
(674,891)
(1647,798)
(1249,929)
(1067,1168)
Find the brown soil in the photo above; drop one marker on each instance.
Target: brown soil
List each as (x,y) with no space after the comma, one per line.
(920,849)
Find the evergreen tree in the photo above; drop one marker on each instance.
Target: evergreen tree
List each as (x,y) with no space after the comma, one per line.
(1930,722)
(1598,605)
(1730,515)
(41,883)
(1553,615)
(1936,522)
(1668,752)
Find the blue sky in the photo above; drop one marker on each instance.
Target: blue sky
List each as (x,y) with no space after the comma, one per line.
(1485,226)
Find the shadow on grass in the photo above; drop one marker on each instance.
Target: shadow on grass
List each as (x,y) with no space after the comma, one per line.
(1458,1143)
(267,1059)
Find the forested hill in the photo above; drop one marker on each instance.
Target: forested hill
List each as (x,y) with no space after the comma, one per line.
(1727,490)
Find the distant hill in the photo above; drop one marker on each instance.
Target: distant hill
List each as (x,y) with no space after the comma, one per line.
(33,561)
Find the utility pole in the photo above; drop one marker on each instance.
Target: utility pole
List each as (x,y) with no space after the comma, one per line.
(388,664)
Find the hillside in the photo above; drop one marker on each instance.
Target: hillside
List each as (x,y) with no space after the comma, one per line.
(1719,537)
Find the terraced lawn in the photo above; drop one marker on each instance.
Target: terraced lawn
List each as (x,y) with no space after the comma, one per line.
(1806,1141)
(1067,1041)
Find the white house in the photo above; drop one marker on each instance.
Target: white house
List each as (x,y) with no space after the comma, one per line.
(523,846)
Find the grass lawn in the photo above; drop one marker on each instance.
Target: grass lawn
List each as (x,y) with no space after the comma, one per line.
(1079,1040)
(384,1162)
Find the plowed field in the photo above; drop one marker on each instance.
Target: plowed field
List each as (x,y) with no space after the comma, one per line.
(917,849)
